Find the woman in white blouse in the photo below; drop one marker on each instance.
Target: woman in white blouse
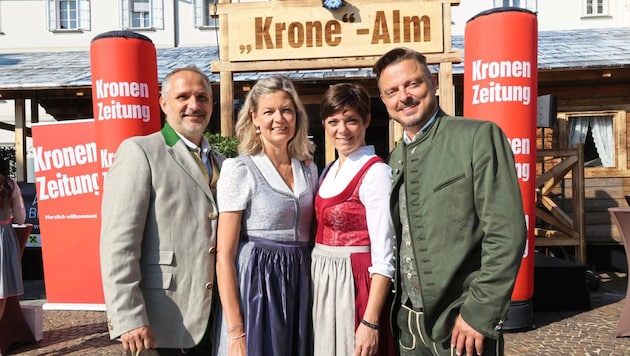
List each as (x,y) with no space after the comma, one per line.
(265,198)
(352,262)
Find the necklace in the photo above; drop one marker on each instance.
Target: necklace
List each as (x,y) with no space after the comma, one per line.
(284,173)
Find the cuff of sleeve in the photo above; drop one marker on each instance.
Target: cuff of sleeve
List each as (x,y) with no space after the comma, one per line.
(382,269)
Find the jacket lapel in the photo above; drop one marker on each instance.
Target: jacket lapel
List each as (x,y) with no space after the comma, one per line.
(180,153)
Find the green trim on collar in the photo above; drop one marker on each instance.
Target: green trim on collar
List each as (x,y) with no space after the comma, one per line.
(170,136)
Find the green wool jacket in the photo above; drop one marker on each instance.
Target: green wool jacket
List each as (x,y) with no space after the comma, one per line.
(466,222)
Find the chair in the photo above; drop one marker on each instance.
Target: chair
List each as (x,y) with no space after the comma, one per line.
(621,217)
(14,329)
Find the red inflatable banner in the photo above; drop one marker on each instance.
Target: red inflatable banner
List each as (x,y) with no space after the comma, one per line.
(501,85)
(125,91)
(67,170)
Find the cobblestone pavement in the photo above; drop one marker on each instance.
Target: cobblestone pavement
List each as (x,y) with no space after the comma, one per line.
(585,333)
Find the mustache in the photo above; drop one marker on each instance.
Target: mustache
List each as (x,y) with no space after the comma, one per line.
(194,113)
(410,101)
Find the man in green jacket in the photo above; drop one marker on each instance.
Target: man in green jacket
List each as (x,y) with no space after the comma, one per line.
(457,211)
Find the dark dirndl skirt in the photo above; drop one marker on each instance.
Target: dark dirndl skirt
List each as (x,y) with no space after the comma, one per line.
(278,299)
(10,263)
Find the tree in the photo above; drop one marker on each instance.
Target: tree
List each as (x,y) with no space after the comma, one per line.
(7,154)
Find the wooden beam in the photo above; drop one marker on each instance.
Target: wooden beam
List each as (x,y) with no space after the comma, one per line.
(11,127)
(454,56)
(227,106)
(555,175)
(555,210)
(564,152)
(20,140)
(578,206)
(560,225)
(445,76)
(226,78)
(550,234)
(556,242)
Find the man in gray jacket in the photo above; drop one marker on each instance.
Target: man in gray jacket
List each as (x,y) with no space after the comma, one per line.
(158,232)
(457,211)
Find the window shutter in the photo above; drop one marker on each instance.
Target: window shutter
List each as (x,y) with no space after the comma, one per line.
(52,14)
(84,15)
(124,14)
(157,14)
(198,12)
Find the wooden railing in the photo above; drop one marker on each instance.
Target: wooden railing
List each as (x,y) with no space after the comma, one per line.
(566,229)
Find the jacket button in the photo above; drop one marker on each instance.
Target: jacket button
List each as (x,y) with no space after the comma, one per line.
(212,216)
(212,250)
(209,285)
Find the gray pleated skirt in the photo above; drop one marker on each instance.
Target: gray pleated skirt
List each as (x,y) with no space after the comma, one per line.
(10,263)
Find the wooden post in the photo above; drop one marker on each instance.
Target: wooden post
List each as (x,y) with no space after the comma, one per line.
(226,78)
(577,184)
(445,78)
(20,140)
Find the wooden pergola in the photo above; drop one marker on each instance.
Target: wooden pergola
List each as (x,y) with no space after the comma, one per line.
(329,58)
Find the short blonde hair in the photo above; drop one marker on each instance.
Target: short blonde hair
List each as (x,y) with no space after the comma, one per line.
(300,146)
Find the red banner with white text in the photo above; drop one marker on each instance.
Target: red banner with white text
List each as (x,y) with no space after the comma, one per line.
(67,174)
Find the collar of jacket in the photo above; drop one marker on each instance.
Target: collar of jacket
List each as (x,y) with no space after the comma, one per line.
(432,128)
(170,136)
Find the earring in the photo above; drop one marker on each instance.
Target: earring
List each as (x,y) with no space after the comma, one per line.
(257,130)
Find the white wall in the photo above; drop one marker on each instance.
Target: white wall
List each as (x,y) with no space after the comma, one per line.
(24,23)
(25,27)
(552,15)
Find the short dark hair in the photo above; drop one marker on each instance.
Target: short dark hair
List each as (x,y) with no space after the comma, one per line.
(396,55)
(343,97)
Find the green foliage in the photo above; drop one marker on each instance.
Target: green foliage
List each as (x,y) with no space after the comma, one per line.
(226,145)
(7,156)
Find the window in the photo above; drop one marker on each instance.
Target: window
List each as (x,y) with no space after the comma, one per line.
(525,4)
(603,135)
(204,14)
(142,14)
(68,14)
(595,7)
(64,15)
(596,133)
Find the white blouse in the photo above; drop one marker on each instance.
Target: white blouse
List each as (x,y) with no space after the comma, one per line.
(374,193)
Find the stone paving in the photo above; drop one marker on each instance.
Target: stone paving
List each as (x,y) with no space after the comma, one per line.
(585,333)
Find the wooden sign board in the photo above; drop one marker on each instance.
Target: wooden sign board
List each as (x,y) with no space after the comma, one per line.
(294,30)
